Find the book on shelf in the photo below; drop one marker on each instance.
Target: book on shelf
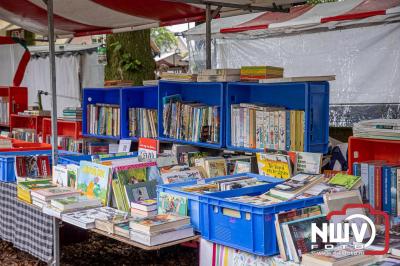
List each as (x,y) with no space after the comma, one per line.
(4,110)
(103,119)
(188,121)
(158,223)
(143,122)
(255,73)
(162,237)
(257,126)
(178,76)
(67,143)
(35,113)
(25,134)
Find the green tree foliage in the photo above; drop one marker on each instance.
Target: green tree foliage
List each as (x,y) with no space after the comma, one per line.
(164,38)
(129,57)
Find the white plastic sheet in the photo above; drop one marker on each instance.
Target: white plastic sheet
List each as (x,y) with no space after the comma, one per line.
(10,55)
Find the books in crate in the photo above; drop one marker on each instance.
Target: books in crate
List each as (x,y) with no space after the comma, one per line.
(103,119)
(378,129)
(142,123)
(195,122)
(257,126)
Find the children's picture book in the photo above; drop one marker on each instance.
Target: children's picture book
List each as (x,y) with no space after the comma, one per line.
(94,180)
(274,165)
(140,191)
(347,181)
(72,174)
(60,175)
(169,203)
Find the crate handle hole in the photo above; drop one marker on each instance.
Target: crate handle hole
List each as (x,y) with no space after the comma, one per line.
(231,213)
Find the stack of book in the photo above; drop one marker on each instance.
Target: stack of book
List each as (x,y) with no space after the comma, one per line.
(194,122)
(381,183)
(153,82)
(255,73)
(42,197)
(219,75)
(110,220)
(103,119)
(4,107)
(143,123)
(24,188)
(34,112)
(144,208)
(378,129)
(267,127)
(25,134)
(178,76)
(60,206)
(117,83)
(160,229)
(72,114)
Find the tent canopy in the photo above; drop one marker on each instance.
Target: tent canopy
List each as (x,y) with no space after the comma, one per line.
(305,17)
(90,17)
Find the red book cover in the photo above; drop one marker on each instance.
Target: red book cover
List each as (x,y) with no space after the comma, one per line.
(148,148)
(20,166)
(43,165)
(378,187)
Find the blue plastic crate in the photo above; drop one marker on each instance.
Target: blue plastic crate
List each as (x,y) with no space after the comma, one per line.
(210,93)
(7,161)
(74,159)
(194,198)
(98,95)
(244,226)
(139,97)
(312,97)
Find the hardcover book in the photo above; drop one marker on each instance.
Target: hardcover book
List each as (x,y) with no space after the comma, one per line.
(94,180)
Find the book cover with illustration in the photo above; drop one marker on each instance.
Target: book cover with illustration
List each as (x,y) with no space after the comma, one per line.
(275,165)
(94,180)
(169,203)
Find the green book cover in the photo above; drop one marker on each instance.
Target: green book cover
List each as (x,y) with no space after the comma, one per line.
(36,184)
(118,196)
(347,181)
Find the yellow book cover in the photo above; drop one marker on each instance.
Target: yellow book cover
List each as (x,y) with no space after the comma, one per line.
(275,165)
(109,121)
(24,194)
(292,130)
(298,133)
(302,128)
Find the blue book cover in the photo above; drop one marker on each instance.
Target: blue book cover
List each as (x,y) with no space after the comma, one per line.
(371,187)
(287,141)
(386,189)
(356,169)
(393,191)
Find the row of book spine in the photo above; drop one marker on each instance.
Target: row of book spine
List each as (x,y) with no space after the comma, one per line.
(264,127)
(103,119)
(143,123)
(4,108)
(68,143)
(381,185)
(26,134)
(194,122)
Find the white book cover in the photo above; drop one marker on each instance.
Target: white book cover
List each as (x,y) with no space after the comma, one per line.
(276,130)
(308,163)
(60,175)
(282,130)
(259,129)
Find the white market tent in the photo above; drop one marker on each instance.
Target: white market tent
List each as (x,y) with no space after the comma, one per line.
(357,40)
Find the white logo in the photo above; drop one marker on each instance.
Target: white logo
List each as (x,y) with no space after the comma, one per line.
(340,232)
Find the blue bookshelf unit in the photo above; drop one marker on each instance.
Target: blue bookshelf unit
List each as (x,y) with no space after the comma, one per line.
(99,95)
(210,93)
(140,97)
(312,97)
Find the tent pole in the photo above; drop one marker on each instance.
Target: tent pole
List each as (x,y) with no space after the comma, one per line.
(208,36)
(54,142)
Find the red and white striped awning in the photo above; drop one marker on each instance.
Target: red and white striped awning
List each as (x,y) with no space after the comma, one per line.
(90,17)
(326,15)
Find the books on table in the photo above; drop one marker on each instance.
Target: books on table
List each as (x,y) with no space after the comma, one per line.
(24,188)
(145,205)
(76,202)
(48,194)
(160,229)
(111,218)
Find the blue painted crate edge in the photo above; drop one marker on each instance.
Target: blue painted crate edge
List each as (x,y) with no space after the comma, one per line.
(254,231)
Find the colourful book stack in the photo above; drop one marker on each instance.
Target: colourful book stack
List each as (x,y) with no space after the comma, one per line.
(255,73)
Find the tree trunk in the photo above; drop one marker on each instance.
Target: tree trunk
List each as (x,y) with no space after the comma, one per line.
(137,43)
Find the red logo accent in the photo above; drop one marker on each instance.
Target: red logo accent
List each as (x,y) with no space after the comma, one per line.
(373,212)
